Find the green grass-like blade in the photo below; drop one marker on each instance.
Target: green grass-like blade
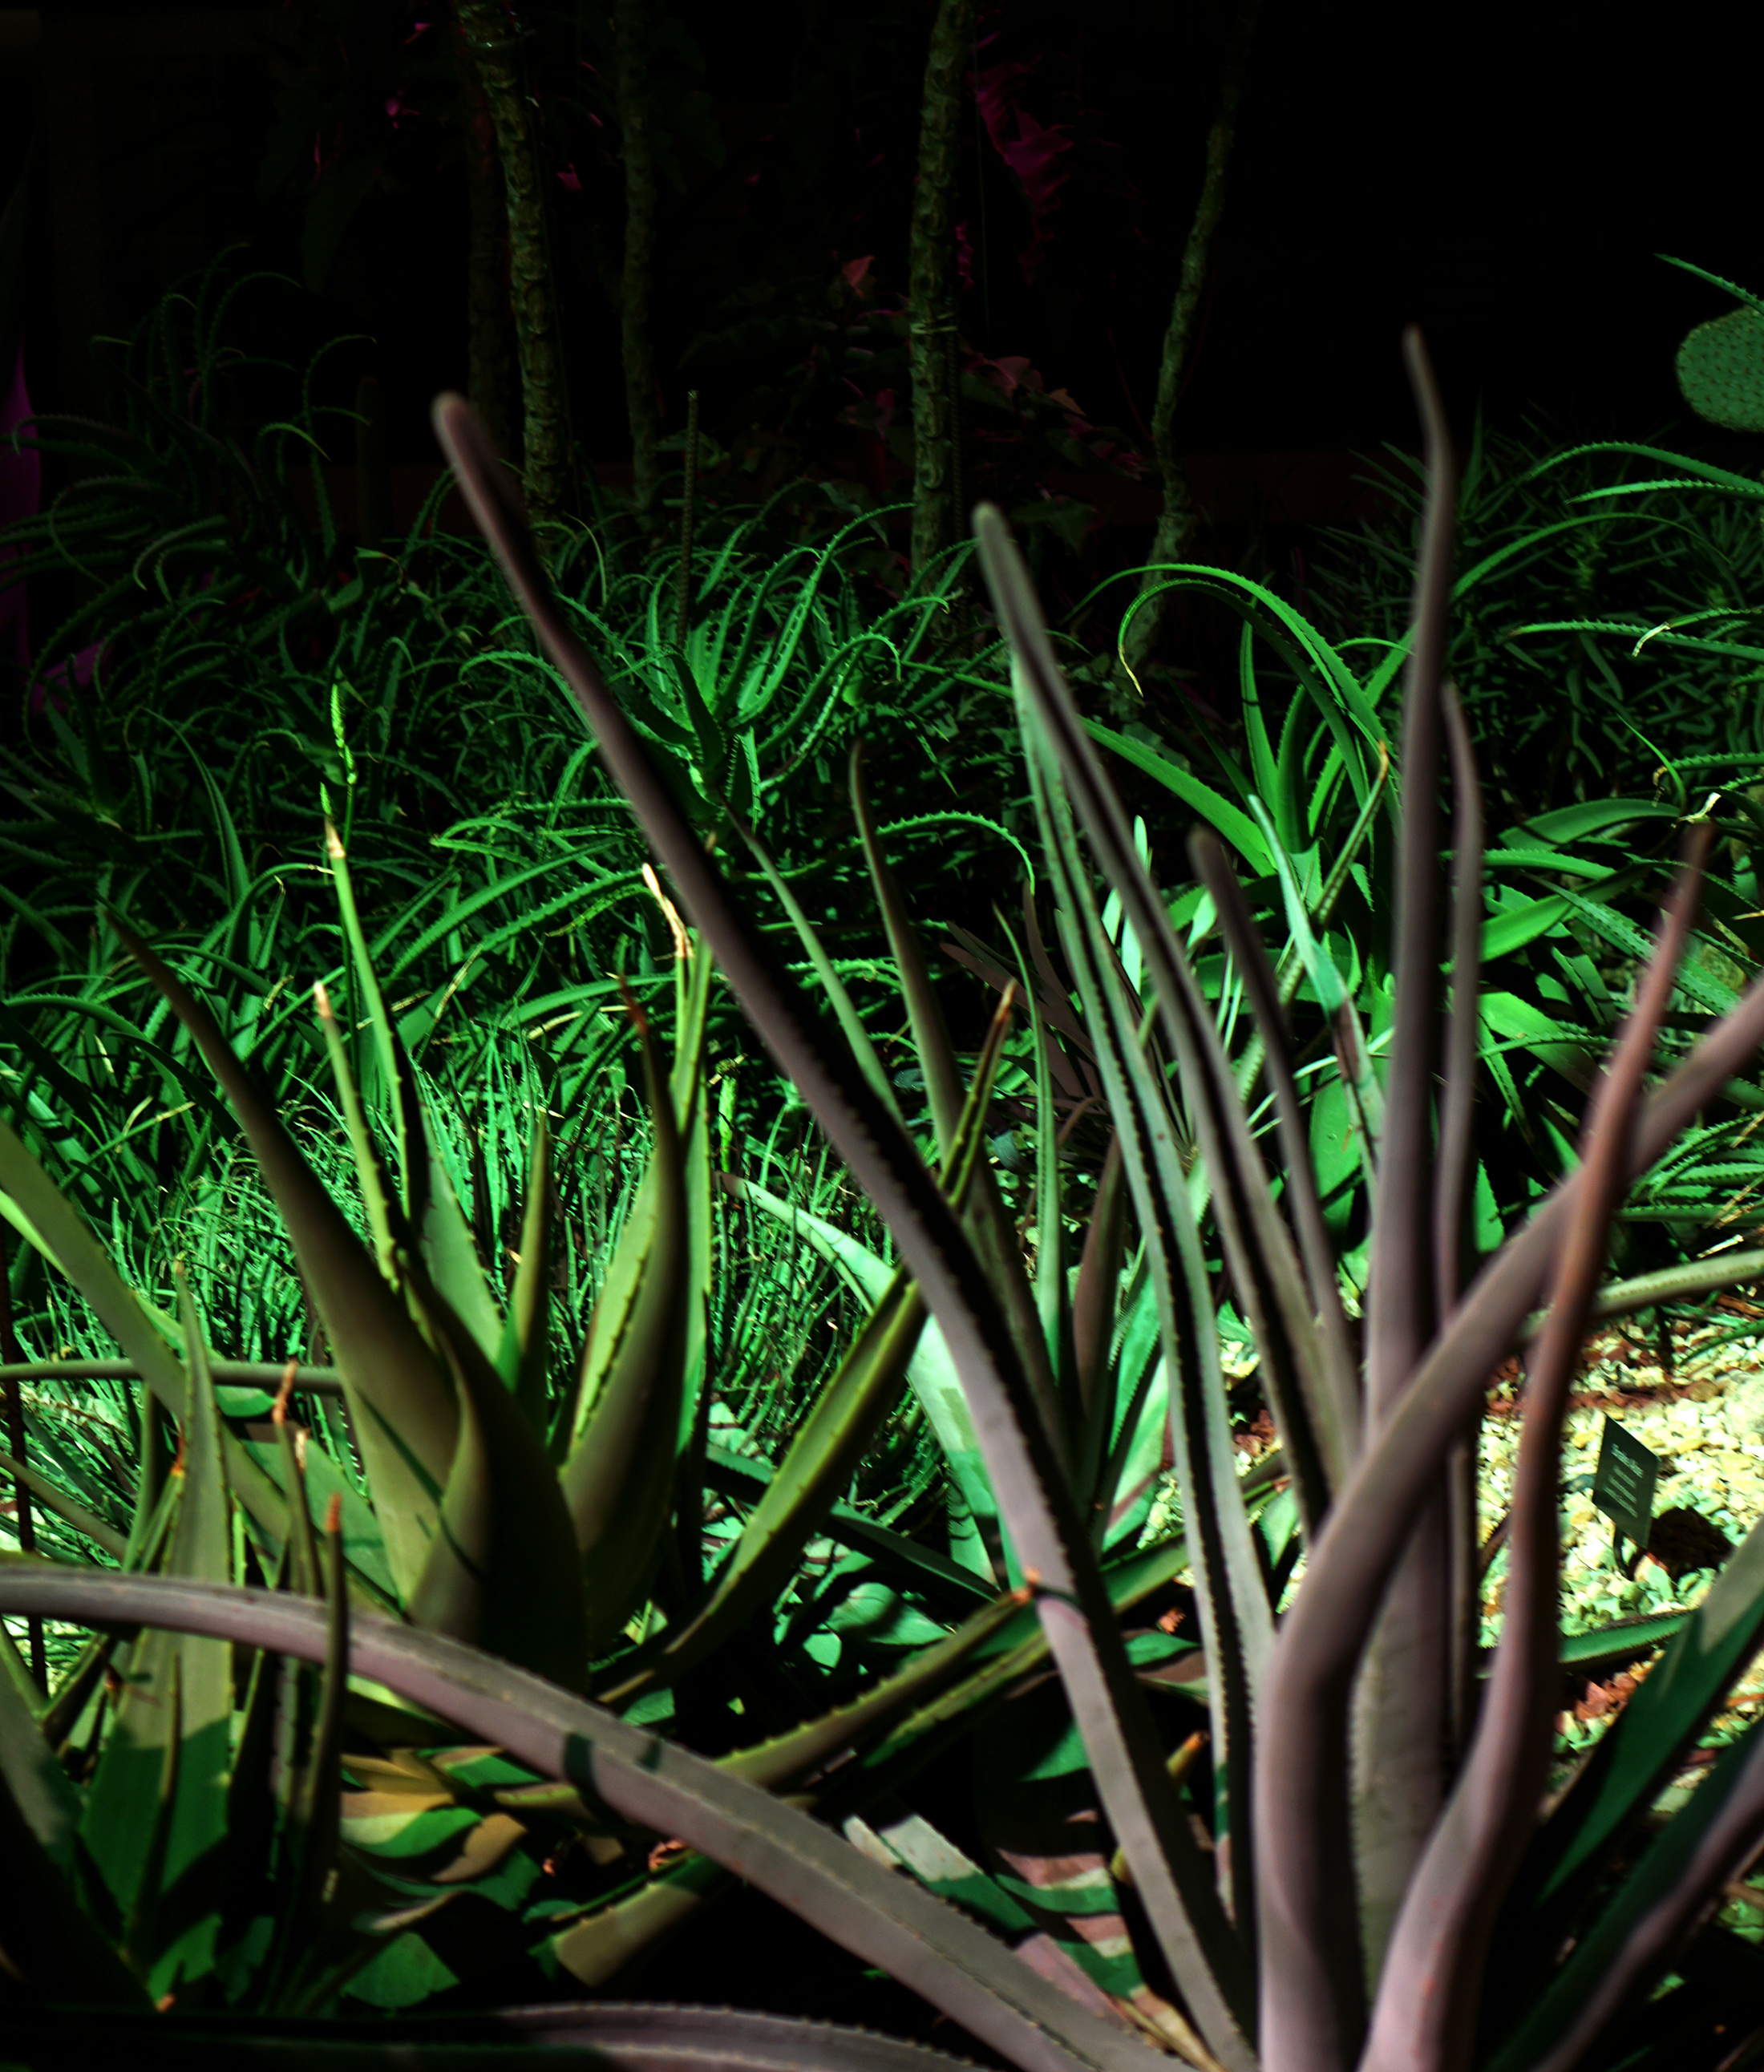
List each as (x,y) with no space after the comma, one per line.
(57,1229)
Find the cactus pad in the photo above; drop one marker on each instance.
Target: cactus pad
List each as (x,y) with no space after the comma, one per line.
(1721,371)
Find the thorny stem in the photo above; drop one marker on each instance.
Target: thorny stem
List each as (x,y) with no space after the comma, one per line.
(1178,521)
(930,342)
(491,40)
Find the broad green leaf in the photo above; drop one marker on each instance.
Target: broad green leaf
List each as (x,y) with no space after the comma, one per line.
(402,1414)
(1590,817)
(502,1570)
(522,1357)
(1506,1015)
(444,1239)
(1177,1885)
(1235,825)
(619,1474)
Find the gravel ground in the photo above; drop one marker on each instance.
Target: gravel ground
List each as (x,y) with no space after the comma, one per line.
(1698,1402)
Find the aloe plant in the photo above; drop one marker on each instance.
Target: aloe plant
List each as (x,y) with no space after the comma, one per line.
(1272,1963)
(1283,1949)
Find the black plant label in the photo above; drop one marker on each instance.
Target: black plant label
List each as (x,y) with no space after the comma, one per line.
(1623,1485)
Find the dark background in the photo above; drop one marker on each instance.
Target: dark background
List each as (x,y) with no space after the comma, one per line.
(1502,177)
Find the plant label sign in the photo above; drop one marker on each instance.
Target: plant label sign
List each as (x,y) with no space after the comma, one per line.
(1623,1485)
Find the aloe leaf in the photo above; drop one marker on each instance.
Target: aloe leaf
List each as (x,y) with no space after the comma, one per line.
(1046,1530)
(1095,1294)
(522,1356)
(314,1826)
(1454,1181)
(43,1798)
(618,1476)
(1264,767)
(797,1753)
(881,1917)
(1140,1446)
(693,971)
(836,1433)
(1432,1972)
(502,1569)
(260,1789)
(956,1587)
(1292,968)
(402,1414)
(1236,1625)
(1300,1754)
(155,1822)
(385,1053)
(1328,1419)
(994,1239)
(863,1051)
(1053,1295)
(385,1219)
(930,1373)
(1365,1096)
(1235,1616)
(595,1948)
(1235,824)
(444,1239)
(303,1545)
(1403,1699)
(930,1035)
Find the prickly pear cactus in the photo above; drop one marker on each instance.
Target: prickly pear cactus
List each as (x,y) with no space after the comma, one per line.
(1721,371)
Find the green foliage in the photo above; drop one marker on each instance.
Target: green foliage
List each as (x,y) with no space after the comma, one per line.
(561,1410)
(1720,365)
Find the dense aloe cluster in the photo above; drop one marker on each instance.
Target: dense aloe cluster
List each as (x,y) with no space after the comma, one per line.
(459,1508)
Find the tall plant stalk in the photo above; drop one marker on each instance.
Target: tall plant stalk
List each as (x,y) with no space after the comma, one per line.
(489,338)
(637,344)
(490,38)
(930,344)
(1404,1702)
(1178,521)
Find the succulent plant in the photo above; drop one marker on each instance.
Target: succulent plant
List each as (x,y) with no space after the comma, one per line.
(1377,1880)
(1721,364)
